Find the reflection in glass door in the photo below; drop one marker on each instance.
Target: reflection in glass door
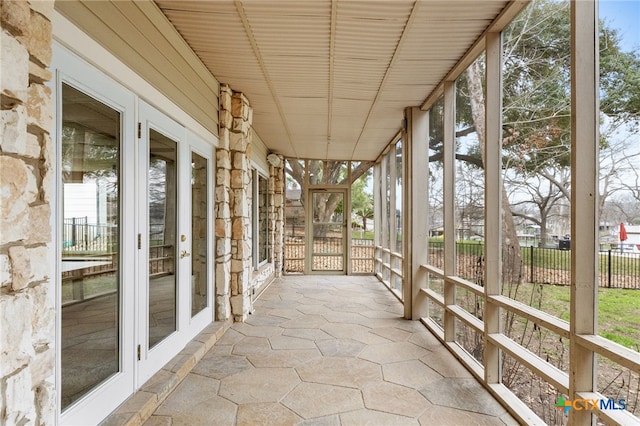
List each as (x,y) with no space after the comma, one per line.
(91,246)
(162,202)
(199,233)
(328,227)
(164,241)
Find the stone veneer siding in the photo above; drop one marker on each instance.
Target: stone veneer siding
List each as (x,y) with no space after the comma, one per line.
(233,215)
(27,317)
(276,216)
(236,281)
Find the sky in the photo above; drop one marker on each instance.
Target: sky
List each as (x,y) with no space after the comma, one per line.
(625,16)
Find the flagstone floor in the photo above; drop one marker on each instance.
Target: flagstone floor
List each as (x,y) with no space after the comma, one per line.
(327,350)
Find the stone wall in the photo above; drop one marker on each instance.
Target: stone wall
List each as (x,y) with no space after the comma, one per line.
(236,282)
(276,215)
(223,210)
(27,295)
(233,216)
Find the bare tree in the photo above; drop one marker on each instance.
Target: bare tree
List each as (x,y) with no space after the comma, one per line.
(544,193)
(325,172)
(619,162)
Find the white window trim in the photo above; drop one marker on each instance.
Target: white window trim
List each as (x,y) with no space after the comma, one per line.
(256,173)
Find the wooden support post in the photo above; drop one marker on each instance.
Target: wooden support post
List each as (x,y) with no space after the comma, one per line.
(449,205)
(493,204)
(584,202)
(415,242)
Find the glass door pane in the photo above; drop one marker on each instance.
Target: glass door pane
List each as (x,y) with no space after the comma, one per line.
(199,234)
(328,228)
(263,219)
(162,203)
(91,247)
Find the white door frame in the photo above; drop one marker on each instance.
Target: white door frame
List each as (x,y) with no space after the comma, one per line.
(109,394)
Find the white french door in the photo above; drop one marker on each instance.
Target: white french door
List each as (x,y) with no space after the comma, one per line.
(134,237)
(174,246)
(95,172)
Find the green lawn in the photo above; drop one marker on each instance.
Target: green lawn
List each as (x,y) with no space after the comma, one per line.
(618,309)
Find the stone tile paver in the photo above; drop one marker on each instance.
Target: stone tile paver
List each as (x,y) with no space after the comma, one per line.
(392,333)
(220,366)
(259,385)
(308,333)
(466,394)
(159,421)
(193,390)
(333,420)
(231,337)
(314,309)
(305,321)
(440,361)
(316,400)
(284,358)
(353,331)
(394,399)
(251,345)
(264,319)
(445,416)
(215,410)
(288,342)
(266,414)
(392,352)
(257,330)
(324,351)
(286,314)
(340,347)
(376,418)
(411,373)
(349,372)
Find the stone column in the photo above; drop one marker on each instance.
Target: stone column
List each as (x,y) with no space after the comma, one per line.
(233,191)
(223,212)
(240,148)
(276,216)
(27,319)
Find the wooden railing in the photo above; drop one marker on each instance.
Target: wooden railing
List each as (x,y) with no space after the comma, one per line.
(557,378)
(388,269)
(361,251)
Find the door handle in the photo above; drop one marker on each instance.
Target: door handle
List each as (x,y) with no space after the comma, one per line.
(184,254)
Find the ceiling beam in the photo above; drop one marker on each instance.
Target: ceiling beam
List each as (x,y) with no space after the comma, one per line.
(265,72)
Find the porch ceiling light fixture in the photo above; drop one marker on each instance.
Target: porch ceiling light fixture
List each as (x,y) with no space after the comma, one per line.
(274,160)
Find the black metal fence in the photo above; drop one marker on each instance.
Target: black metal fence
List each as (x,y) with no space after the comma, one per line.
(78,236)
(618,269)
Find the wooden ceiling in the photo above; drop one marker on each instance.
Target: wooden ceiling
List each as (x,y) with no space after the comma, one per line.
(329,79)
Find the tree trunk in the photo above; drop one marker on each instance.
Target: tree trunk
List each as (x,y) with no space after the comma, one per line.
(330,175)
(544,234)
(512,258)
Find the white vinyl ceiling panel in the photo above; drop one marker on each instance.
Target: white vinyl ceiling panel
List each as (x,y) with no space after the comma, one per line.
(329,79)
